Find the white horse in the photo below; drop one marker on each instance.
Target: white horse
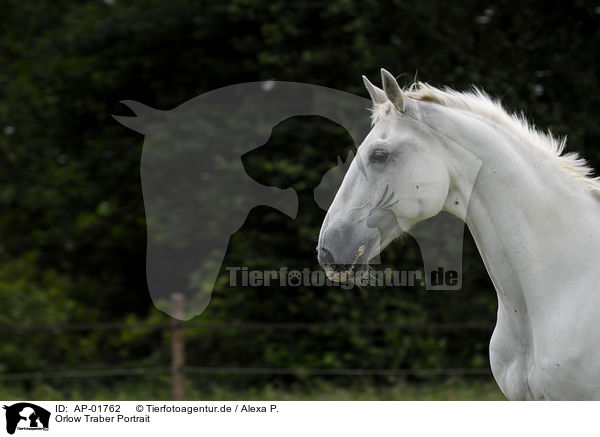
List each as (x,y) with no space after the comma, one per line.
(533,212)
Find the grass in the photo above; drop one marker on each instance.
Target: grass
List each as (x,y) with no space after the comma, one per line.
(451,390)
(448,390)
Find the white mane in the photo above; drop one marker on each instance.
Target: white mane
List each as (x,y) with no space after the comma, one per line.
(478,102)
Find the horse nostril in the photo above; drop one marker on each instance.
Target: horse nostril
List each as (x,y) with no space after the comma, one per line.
(340,268)
(326,257)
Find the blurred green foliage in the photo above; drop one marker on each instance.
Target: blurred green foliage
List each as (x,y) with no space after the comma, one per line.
(72,226)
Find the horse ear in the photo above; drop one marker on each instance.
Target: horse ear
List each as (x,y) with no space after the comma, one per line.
(392,90)
(349,157)
(145,116)
(377,94)
(345,162)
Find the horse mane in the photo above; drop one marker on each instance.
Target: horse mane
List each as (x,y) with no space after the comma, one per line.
(480,103)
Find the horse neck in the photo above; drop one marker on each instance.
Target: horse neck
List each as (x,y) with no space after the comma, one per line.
(531,221)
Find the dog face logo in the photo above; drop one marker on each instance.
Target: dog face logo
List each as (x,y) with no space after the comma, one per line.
(26,416)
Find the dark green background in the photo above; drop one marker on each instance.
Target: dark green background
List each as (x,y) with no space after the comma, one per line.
(72,225)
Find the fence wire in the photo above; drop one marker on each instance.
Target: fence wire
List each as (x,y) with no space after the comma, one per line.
(108,326)
(190,370)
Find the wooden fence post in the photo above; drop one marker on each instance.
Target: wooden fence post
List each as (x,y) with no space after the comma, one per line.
(177,347)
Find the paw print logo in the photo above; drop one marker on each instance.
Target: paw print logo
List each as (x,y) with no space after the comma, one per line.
(294,278)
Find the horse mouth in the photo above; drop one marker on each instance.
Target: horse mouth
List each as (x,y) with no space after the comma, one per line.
(347,272)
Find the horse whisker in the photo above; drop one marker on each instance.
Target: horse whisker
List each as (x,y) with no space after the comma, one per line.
(392,204)
(390,197)
(381,200)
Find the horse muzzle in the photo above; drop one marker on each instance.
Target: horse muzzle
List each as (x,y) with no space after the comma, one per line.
(342,255)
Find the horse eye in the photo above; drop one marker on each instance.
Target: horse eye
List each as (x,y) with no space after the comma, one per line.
(379,156)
